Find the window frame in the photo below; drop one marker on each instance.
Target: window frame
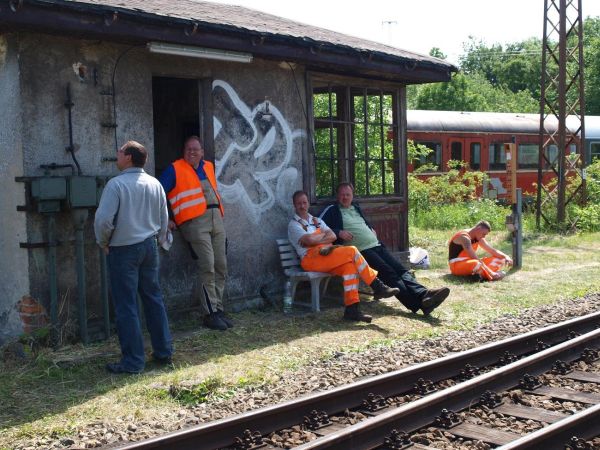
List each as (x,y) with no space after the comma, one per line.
(472,154)
(436,153)
(594,144)
(520,152)
(493,165)
(346,122)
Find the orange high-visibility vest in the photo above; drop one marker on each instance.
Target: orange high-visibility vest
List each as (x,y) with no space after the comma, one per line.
(187,197)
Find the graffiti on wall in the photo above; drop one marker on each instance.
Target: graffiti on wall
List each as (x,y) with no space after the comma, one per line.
(254,148)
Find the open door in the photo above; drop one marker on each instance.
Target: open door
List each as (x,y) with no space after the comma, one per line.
(176,108)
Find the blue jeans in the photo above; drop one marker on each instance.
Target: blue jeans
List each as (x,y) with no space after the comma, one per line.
(394,274)
(133,269)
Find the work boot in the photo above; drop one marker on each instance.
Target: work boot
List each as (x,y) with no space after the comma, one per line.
(226,320)
(214,322)
(353,312)
(381,290)
(433,299)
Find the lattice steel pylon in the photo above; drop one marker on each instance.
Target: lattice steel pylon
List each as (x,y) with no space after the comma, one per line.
(562,113)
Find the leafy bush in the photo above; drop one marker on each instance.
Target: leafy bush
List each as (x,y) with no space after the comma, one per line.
(587,216)
(460,215)
(449,200)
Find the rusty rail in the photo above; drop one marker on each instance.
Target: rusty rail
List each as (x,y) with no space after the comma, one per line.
(371,432)
(221,433)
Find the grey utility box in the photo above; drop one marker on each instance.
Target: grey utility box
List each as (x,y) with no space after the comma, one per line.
(48,192)
(83,192)
(49,188)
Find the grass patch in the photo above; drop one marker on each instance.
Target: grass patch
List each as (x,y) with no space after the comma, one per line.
(41,399)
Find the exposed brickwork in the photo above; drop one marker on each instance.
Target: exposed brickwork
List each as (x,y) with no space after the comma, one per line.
(33,314)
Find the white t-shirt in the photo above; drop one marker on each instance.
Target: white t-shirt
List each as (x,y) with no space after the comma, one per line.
(299,227)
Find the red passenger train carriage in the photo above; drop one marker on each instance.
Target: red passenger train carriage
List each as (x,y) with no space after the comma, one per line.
(478,138)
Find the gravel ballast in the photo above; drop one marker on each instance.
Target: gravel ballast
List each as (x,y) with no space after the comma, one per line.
(341,368)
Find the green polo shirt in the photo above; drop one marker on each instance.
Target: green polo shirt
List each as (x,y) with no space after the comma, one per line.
(364,237)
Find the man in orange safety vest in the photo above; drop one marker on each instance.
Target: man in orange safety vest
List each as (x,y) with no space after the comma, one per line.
(463,259)
(197,211)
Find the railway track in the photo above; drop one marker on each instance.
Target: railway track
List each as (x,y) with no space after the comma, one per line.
(383,412)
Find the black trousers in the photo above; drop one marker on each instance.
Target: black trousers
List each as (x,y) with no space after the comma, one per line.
(394,274)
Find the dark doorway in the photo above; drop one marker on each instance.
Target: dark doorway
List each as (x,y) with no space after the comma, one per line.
(176,104)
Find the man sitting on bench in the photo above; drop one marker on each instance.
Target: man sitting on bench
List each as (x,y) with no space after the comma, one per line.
(312,240)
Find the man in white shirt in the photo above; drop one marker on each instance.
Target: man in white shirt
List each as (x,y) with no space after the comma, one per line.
(312,240)
(131,216)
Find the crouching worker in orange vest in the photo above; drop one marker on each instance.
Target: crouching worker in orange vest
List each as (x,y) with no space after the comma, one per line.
(312,239)
(196,209)
(463,259)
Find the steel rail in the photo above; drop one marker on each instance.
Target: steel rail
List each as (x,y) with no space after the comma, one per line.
(371,432)
(585,425)
(220,433)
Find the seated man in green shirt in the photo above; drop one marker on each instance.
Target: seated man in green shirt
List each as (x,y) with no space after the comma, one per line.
(351,228)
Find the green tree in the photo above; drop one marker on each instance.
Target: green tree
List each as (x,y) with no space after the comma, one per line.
(437,53)
(516,66)
(472,93)
(591,56)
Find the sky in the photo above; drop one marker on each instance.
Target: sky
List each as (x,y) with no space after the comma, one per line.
(419,25)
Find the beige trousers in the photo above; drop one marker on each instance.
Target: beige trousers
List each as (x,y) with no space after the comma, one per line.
(206,235)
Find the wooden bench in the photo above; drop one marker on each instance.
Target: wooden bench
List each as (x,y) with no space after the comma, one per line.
(291,267)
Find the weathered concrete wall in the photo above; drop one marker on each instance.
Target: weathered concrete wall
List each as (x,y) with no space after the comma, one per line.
(258,164)
(258,159)
(14,280)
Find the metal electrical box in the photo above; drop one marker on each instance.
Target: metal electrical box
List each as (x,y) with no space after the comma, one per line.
(49,188)
(48,193)
(83,192)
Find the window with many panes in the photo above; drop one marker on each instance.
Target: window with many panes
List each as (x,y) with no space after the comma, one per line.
(497,157)
(433,158)
(355,140)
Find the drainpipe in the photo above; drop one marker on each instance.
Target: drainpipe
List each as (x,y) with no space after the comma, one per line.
(104,292)
(79,217)
(53,284)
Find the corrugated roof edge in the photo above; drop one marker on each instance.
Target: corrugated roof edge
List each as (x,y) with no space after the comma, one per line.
(369,49)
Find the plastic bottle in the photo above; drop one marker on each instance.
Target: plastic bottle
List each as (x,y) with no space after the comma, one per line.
(287,298)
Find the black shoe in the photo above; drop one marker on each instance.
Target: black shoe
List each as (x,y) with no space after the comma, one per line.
(381,290)
(353,312)
(214,322)
(166,361)
(118,368)
(433,299)
(226,320)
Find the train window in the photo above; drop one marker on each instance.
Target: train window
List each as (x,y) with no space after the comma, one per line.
(475,156)
(354,135)
(551,155)
(497,157)
(528,155)
(456,151)
(594,151)
(434,158)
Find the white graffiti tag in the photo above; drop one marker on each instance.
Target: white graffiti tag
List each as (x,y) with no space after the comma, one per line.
(254,169)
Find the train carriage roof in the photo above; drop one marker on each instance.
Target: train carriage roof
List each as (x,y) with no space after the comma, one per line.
(491,122)
(592,127)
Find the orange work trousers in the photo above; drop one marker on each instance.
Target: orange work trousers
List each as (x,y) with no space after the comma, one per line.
(486,268)
(346,262)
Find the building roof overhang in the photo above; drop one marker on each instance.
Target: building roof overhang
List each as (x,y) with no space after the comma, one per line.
(224,27)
